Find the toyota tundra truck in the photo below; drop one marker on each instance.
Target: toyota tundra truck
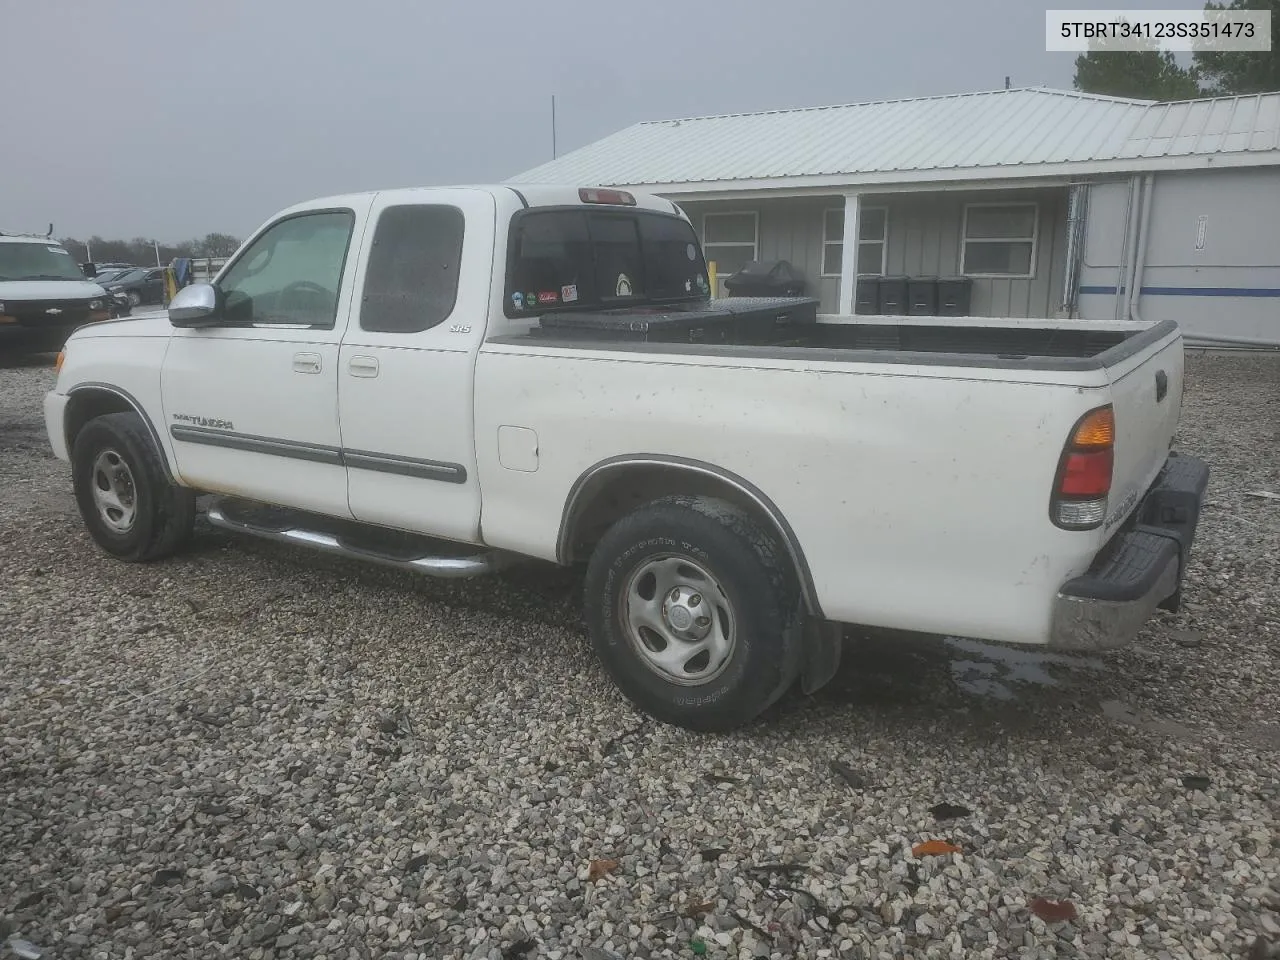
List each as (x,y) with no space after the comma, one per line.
(451,380)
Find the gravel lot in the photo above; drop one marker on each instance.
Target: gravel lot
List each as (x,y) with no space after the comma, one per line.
(255,752)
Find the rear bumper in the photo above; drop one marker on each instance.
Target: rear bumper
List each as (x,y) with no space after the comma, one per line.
(1140,570)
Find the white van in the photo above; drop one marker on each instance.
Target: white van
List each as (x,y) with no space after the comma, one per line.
(44,295)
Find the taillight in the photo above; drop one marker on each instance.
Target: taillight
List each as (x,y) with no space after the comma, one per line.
(1084,473)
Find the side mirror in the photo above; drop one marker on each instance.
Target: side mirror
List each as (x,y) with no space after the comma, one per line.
(195,306)
(89,269)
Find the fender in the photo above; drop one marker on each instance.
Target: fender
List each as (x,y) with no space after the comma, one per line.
(134,405)
(596,476)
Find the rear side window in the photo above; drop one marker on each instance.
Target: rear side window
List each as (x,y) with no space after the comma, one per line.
(578,258)
(411,282)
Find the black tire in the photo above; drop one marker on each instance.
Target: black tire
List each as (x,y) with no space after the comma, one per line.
(135,298)
(758,585)
(164,514)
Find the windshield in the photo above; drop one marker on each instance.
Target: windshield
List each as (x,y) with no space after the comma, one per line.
(580,258)
(37,261)
(129,276)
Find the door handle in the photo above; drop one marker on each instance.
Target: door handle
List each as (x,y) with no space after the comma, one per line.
(363,366)
(306,363)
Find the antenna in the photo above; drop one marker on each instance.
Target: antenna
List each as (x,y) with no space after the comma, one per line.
(553,126)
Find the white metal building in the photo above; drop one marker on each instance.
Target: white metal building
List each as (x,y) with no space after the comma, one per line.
(1053,203)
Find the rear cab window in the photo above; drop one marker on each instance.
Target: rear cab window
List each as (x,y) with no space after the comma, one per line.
(572,259)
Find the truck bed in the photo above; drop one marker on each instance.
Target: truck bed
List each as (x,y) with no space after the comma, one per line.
(939,336)
(961,341)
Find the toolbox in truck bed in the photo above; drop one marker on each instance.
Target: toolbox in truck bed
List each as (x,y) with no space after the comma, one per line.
(758,320)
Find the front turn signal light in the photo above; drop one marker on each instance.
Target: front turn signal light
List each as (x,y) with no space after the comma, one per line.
(57,364)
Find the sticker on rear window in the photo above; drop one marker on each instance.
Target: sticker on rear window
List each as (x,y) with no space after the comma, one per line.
(547,296)
(691,252)
(517,301)
(623,286)
(569,292)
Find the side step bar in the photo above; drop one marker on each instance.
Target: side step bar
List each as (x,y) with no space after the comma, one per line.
(452,567)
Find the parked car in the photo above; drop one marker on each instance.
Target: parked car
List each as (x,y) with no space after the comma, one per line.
(103,277)
(43,293)
(396,377)
(139,286)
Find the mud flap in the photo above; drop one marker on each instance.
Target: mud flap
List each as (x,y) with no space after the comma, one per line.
(823,642)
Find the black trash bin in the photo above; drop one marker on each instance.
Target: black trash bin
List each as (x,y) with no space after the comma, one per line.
(953,296)
(893,295)
(866,297)
(766,278)
(922,296)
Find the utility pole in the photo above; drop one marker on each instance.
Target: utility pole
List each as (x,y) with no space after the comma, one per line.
(553,126)
(156,245)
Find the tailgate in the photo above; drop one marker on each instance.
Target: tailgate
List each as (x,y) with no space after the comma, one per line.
(1146,392)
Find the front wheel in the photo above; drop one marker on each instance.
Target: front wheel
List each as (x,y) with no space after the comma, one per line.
(694,613)
(135,298)
(127,502)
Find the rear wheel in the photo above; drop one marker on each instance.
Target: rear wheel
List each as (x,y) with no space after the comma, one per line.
(694,613)
(126,500)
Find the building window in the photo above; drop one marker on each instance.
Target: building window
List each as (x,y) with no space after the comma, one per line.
(731,240)
(999,240)
(873,226)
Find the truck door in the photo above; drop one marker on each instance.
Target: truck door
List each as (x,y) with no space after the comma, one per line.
(252,404)
(407,363)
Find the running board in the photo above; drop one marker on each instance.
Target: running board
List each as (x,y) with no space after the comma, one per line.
(451,567)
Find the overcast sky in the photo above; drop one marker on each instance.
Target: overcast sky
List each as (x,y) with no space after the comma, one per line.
(173,119)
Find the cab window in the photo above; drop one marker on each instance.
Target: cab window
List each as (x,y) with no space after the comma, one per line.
(411,282)
(570,259)
(291,273)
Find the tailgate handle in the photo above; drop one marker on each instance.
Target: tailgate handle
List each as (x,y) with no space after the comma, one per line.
(1162,385)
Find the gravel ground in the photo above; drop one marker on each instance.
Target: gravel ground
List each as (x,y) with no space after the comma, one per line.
(255,752)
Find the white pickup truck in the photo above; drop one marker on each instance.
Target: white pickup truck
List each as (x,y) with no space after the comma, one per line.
(447,380)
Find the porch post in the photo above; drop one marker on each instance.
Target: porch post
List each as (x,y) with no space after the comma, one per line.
(849,253)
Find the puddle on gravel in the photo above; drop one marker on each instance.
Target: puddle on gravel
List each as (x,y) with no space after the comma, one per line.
(988,670)
(888,667)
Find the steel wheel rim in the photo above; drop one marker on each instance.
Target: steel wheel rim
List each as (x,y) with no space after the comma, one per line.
(678,620)
(114,493)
